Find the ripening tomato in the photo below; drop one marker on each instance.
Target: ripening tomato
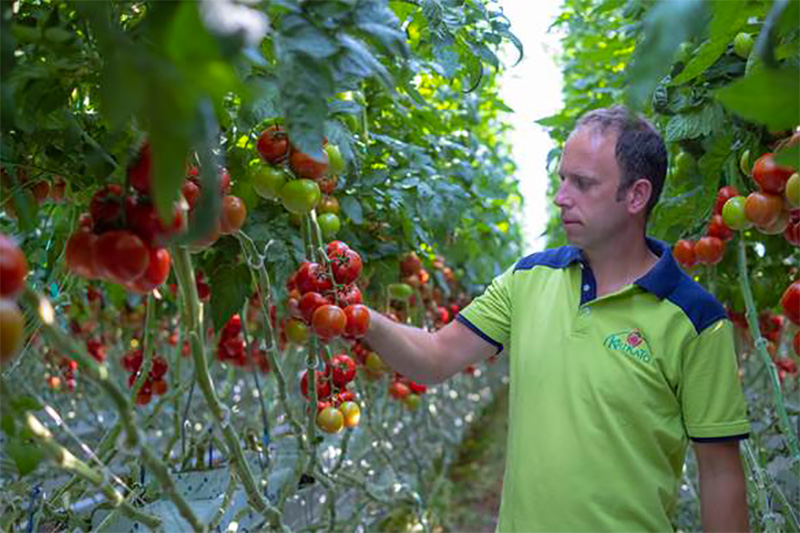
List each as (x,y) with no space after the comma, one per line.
(120,255)
(328,321)
(763,209)
(358,319)
(309,303)
(296,331)
(328,204)
(724,194)
(308,167)
(233,215)
(13,267)
(733,214)
(351,413)
(718,229)
(346,266)
(684,253)
(78,254)
(790,302)
(709,250)
(769,175)
(300,196)
(11,329)
(140,173)
(341,369)
(330,420)
(273,144)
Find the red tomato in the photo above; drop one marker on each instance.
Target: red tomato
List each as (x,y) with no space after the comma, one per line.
(140,173)
(160,367)
(309,303)
(328,321)
(684,253)
(323,386)
(106,207)
(313,277)
(790,302)
(13,267)
(120,255)
(763,209)
(399,390)
(143,220)
(718,229)
(346,266)
(410,264)
(160,387)
(709,250)
(358,319)
(350,295)
(341,369)
(416,388)
(78,254)
(12,326)
(792,231)
(233,215)
(778,226)
(724,194)
(770,176)
(157,268)
(273,144)
(308,167)
(191,192)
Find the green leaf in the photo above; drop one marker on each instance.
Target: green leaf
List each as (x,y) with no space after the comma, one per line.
(765,96)
(789,157)
(299,35)
(8,425)
(352,208)
(230,287)
(704,121)
(25,455)
(728,19)
(27,403)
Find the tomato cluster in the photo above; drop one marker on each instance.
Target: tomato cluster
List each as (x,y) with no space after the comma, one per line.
(407,391)
(325,295)
(336,404)
(154,383)
(231,345)
(39,190)
(233,214)
(13,269)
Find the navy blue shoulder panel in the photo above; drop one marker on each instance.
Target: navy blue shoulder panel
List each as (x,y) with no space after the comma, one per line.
(699,305)
(554,258)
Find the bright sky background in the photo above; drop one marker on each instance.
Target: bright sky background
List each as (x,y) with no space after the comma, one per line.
(533,90)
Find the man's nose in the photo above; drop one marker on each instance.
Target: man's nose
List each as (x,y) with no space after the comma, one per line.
(562,198)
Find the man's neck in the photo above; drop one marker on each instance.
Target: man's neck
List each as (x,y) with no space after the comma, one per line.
(620,262)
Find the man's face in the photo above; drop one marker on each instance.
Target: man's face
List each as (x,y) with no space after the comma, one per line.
(590,213)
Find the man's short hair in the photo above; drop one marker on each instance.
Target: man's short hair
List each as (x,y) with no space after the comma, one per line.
(640,150)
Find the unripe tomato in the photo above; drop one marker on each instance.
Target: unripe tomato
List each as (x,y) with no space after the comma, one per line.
(790,302)
(733,214)
(330,225)
(718,229)
(709,250)
(328,321)
(13,267)
(742,44)
(328,204)
(769,175)
(273,144)
(11,329)
(793,190)
(412,401)
(763,209)
(296,331)
(358,320)
(305,166)
(351,413)
(268,181)
(724,194)
(330,420)
(375,364)
(300,196)
(233,215)
(336,162)
(402,291)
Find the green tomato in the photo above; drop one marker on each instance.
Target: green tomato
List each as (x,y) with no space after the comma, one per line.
(793,190)
(300,196)
(743,45)
(400,291)
(733,214)
(268,181)
(336,163)
(744,163)
(330,225)
(684,165)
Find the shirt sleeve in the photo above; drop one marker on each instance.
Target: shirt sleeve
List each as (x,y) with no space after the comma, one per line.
(712,400)
(489,315)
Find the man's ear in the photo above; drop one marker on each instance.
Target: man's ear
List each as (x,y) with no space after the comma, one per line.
(638,196)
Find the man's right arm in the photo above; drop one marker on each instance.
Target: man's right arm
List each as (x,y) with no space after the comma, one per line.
(426,357)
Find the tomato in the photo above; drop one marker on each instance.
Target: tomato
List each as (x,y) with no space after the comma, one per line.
(132,360)
(336,162)
(157,268)
(423,276)
(351,413)
(328,204)
(733,214)
(400,291)
(330,420)
(224,181)
(328,321)
(350,295)
(12,325)
(191,192)
(417,388)
(341,369)
(412,401)
(323,385)
(709,250)
(744,163)
(160,387)
(328,184)
(375,364)
(313,277)
(300,196)
(309,303)
(120,255)
(273,144)
(78,254)
(305,166)
(233,215)
(718,229)
(40,191)
(793,191)
(763,209)
(792,231)
(358,319)
(777,227)
(724,194)
(140,173)
(268,181)
(399,390)
(13,267)
(743,44)
(143,220)
(336,248)
(346,266)
(329,224)
(410,264)
(96,349)
(769,175)
(107,207)
(296,331)
(790,302)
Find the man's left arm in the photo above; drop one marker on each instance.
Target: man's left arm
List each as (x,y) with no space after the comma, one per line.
(723,492)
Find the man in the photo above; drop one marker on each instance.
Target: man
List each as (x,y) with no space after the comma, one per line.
(618,358)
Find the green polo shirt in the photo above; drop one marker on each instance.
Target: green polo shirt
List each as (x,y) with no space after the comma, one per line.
(606,392)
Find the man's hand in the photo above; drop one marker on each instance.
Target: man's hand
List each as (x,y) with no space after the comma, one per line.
(723,493)
(423,356)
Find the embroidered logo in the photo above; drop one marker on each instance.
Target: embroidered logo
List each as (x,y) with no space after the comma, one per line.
(631,343)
